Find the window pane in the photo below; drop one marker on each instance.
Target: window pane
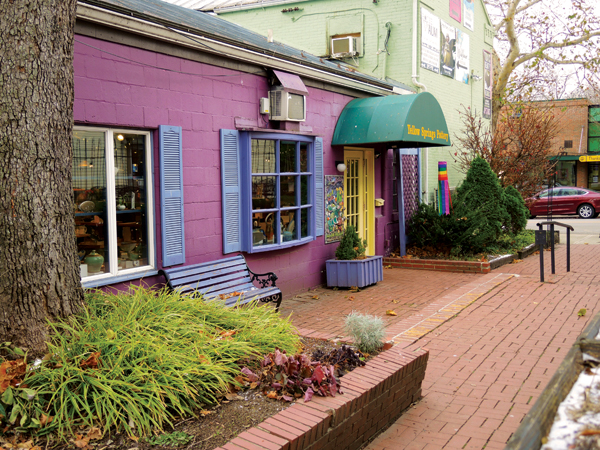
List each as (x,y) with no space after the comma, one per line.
(287,156)
(288,191)
(89,195)
(130,194)
(304,190)
(263,232)
(304,220)
(263,192)
(289,230)
(303,157)
(263,156)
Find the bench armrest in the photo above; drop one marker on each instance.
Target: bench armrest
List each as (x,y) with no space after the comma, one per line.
(269,281)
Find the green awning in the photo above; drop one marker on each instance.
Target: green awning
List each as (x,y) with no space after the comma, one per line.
(565,157)
(414,120)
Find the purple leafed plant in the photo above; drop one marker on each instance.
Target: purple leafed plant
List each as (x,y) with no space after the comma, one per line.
(292,377)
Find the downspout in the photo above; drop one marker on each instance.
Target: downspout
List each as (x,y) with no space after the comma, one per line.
(415,76)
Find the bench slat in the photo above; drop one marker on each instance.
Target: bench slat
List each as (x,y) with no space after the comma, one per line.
(232,285)
(204,271)
(200,283)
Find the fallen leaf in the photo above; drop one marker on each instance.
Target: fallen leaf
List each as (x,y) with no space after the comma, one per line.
(228,333)
(205,412)
(134,438)
(45,420)
(25,445)
(581,312)
(315,297)
(589,432)
(80,441)
(94,434)
(232,397)
(272,394)
(350,297)
(391,312)
(11,373)
(92,361)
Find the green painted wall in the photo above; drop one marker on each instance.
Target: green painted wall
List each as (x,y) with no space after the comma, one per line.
(311,26)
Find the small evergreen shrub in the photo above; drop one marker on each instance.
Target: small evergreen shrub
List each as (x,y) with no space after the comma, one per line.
(367,331)
(480,194)
(516,209)
(351,246)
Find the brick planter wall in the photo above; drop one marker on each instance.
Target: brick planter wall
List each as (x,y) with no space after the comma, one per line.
(439,264)
(374,396)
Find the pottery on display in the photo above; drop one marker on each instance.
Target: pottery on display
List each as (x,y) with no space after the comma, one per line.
(94,262)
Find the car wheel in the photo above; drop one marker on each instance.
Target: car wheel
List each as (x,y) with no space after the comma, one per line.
(586,211)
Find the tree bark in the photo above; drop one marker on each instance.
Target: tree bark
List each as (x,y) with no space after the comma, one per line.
(39,270)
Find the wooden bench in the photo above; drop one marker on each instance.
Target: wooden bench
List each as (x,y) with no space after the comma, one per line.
(229,280)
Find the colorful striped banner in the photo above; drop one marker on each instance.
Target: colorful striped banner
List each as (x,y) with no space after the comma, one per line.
(444,200)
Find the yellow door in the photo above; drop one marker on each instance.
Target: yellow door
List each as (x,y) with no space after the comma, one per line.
(359,195)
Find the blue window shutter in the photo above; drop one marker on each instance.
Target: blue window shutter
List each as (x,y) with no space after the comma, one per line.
(319,188)
(171,193)
(231,191)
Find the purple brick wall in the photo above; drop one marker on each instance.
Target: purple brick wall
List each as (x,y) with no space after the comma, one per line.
(112,89)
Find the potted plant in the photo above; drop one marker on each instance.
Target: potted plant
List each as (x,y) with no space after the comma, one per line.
(351,267)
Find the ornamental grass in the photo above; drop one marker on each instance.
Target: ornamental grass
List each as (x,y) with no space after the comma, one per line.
(133,361)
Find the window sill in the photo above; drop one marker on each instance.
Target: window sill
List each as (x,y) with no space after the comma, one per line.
(106,280)
(268,248)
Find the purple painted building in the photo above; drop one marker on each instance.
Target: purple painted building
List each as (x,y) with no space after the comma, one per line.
(196,139)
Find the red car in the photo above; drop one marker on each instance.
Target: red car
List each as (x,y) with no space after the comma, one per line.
(565,200)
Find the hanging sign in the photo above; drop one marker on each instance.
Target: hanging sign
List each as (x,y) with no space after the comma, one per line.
(469,18)
(430,41)
(334,208)
(487,85)
(589,158)
(462,57)
(447,49)
(455,9)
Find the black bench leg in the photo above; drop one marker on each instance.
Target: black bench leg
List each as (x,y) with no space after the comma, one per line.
(279,298)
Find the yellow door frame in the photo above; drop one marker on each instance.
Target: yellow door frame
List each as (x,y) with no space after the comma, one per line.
(359,193)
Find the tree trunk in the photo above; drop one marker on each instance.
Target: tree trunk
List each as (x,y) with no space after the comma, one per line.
(39,270)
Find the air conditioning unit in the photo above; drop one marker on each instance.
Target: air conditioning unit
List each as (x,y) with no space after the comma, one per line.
(287,106)
(344,47)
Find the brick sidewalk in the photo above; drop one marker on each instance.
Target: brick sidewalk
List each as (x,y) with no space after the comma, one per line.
(488,365)
(321,312)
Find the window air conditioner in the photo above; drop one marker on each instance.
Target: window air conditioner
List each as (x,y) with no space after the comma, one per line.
(344,47)
(286,106)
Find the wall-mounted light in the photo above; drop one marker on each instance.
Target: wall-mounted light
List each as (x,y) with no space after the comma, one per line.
(340,166)
(120,137)
(475,77)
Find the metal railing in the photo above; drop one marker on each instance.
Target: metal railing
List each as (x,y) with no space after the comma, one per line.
(540,240)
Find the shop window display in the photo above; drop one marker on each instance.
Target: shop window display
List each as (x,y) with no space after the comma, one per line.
(111,202)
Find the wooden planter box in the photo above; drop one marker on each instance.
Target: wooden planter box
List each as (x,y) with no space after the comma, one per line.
(360,272)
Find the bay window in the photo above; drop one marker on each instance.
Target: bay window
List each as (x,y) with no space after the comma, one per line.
(272,190)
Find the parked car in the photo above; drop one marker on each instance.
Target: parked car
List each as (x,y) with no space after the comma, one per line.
(565,200)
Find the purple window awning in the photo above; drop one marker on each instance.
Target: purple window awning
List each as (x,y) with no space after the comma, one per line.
(291,83)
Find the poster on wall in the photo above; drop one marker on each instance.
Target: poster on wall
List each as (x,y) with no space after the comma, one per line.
(447,50)
(469,18)
(462,57)
(334,208)
(430,41)
(487,85)
(456,9)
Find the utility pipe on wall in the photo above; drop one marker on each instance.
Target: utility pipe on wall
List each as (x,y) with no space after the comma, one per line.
(415,80)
